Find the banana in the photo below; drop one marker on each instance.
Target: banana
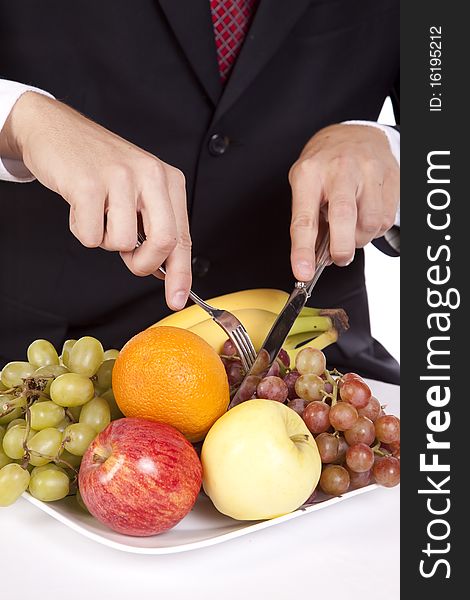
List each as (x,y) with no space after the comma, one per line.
(309,311)
(307,324)
(270,300)
(293,341)
(258,309)
(321,341)
(257,323)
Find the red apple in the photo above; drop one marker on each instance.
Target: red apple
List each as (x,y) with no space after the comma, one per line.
(140,477)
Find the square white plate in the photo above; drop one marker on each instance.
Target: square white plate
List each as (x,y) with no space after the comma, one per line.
(204,525)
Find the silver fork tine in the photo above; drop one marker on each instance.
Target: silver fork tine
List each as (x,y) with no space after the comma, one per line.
(239,346)
(248,347)
(240,343)
(252,351)
(226,320)
(235,331)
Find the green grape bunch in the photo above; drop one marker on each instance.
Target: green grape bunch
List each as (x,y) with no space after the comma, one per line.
(51,408)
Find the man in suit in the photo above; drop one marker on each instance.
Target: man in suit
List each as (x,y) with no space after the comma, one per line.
(220,120)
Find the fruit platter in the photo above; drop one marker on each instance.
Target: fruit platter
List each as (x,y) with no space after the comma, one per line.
(140,449)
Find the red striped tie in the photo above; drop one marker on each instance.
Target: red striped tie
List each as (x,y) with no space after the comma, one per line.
(231,20)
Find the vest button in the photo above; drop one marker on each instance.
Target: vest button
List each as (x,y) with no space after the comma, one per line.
(200,266)
(218,144)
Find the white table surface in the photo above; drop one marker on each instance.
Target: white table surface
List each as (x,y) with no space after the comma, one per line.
(350,550)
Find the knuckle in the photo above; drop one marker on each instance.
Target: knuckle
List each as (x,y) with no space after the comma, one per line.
(342,163)
(294,173)
(371,222)
(87,188)
(371,165)
(155,169)
(362,240)
(177,176)
(182,273)
(304,220)
(184,240)
(388,221)
(90,240)
(392,171)
(301,169)
(121,174)
(165,242)
(141,271)
(124,244)
(342,207)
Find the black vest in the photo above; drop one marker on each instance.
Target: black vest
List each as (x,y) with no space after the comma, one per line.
(148,71)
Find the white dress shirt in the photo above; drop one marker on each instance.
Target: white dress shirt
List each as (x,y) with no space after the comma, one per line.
(10,91)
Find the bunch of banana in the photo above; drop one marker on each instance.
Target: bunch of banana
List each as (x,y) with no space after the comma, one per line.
(258,309)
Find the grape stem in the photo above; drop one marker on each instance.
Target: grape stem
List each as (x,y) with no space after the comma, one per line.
(67,464)
(32,388)
(28,452)
(326,395)
(30,384)
(233,358)
(69,416)
(380,451)
(36,384)
(333,382)
(58,459)
(27,416)
(9,391)
(337,373)
(55,459)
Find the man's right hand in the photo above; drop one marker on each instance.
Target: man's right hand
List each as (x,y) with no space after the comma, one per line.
(107,182)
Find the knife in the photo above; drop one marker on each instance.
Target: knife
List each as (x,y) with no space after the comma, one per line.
(282,326)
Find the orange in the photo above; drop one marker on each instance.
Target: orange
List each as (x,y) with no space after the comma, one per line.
(171,375)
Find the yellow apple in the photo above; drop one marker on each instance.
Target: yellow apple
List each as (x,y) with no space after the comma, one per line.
(259,461)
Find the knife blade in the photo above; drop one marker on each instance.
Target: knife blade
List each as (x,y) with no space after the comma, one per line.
(282,326)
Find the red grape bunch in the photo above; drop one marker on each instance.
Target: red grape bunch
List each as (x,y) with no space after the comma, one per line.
(358,443)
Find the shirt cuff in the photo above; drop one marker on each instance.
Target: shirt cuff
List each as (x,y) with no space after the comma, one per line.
(10,91)
(393,137)
(392,237)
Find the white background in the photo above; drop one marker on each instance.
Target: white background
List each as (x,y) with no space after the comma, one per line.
(383,283)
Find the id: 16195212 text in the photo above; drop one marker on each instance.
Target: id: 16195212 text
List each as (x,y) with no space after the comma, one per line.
(435,68)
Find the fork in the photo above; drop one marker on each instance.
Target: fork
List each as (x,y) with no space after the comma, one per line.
(225,319)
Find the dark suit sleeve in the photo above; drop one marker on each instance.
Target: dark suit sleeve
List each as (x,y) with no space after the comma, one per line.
(390,242)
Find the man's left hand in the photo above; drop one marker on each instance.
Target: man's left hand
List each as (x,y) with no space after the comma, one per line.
(349,174)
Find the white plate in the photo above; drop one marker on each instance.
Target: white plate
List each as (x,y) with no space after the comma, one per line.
(204,525)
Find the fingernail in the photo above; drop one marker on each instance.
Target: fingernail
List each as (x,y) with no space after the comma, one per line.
(179,299)
(305,269)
